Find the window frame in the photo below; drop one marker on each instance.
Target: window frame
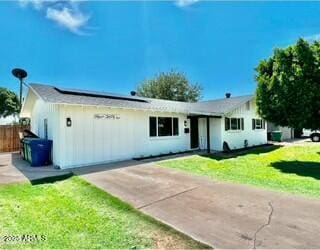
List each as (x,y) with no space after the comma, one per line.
(239,122)
(175,132)
(258,124)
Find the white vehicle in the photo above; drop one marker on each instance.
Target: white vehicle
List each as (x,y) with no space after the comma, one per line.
(313,134)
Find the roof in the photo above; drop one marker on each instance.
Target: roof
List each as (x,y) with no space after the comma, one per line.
(55,95)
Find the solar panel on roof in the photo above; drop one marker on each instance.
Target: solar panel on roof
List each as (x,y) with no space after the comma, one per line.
(98,94)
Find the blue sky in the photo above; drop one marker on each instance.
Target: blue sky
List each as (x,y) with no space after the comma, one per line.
(112,46)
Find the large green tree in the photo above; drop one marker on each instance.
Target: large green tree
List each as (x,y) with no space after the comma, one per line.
(170,86)
(288,92)
(9,103)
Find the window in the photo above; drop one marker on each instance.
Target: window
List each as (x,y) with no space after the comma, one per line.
(163,126)
(234,124)
(153,126)
(258,124)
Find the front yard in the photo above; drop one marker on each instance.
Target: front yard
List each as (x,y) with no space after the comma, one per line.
(74,214)
(294,169)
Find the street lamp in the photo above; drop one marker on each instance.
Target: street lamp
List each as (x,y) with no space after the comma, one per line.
(20,74)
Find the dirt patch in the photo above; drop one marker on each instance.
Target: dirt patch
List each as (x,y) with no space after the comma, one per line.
(176,241)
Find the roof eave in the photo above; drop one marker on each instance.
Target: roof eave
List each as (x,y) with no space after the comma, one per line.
(23,111)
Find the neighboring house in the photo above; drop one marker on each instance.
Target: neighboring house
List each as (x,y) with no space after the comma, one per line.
(9,120)
(96,127)
(287,133)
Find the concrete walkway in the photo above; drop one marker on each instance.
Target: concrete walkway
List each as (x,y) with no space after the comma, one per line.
(14,169)
(222,215)
(9,173)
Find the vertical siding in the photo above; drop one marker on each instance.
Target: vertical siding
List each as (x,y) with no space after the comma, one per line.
(41,111)
(236,139)
(91,141)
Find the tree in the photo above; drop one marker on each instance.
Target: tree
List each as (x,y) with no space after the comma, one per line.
(288,91)
(9,103)
(170,86)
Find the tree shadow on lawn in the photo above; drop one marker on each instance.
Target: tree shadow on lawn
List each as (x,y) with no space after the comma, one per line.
(242,152)
(302,168)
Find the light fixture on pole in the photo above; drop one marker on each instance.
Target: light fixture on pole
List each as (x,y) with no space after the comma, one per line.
(20,74)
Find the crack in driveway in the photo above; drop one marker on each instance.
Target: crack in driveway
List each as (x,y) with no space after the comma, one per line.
(264,225)
(168,197)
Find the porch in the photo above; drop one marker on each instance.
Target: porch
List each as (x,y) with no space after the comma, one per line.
(205,132)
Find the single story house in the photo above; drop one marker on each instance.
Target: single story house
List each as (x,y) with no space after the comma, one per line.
(96,127)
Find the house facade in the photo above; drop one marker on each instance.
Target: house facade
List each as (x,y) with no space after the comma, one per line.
(89,128)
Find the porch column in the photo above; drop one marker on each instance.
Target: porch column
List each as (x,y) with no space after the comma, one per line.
(208,134)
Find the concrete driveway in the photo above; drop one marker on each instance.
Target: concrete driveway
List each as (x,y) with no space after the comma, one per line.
(222,215)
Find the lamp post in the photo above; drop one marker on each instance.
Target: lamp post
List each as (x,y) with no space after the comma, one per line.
(20,74)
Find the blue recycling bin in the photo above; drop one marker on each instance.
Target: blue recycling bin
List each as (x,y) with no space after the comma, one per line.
(37,151)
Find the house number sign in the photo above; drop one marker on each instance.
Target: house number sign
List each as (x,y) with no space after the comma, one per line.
(107,116)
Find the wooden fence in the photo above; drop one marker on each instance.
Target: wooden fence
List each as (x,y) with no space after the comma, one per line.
(9,137)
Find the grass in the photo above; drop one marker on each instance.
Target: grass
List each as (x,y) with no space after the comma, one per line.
(294,169)
(74,214)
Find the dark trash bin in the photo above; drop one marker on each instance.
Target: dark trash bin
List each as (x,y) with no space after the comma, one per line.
(276,136)
(26,134)
(37,151)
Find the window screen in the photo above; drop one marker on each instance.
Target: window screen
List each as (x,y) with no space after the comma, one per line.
(234,124)
(164,126)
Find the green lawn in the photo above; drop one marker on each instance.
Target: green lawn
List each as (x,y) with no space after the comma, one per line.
(74,214)
(294,169)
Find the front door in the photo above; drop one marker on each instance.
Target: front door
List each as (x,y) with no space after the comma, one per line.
(194,133)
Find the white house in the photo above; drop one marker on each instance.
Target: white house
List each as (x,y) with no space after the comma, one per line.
(96,127)
(9,120)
